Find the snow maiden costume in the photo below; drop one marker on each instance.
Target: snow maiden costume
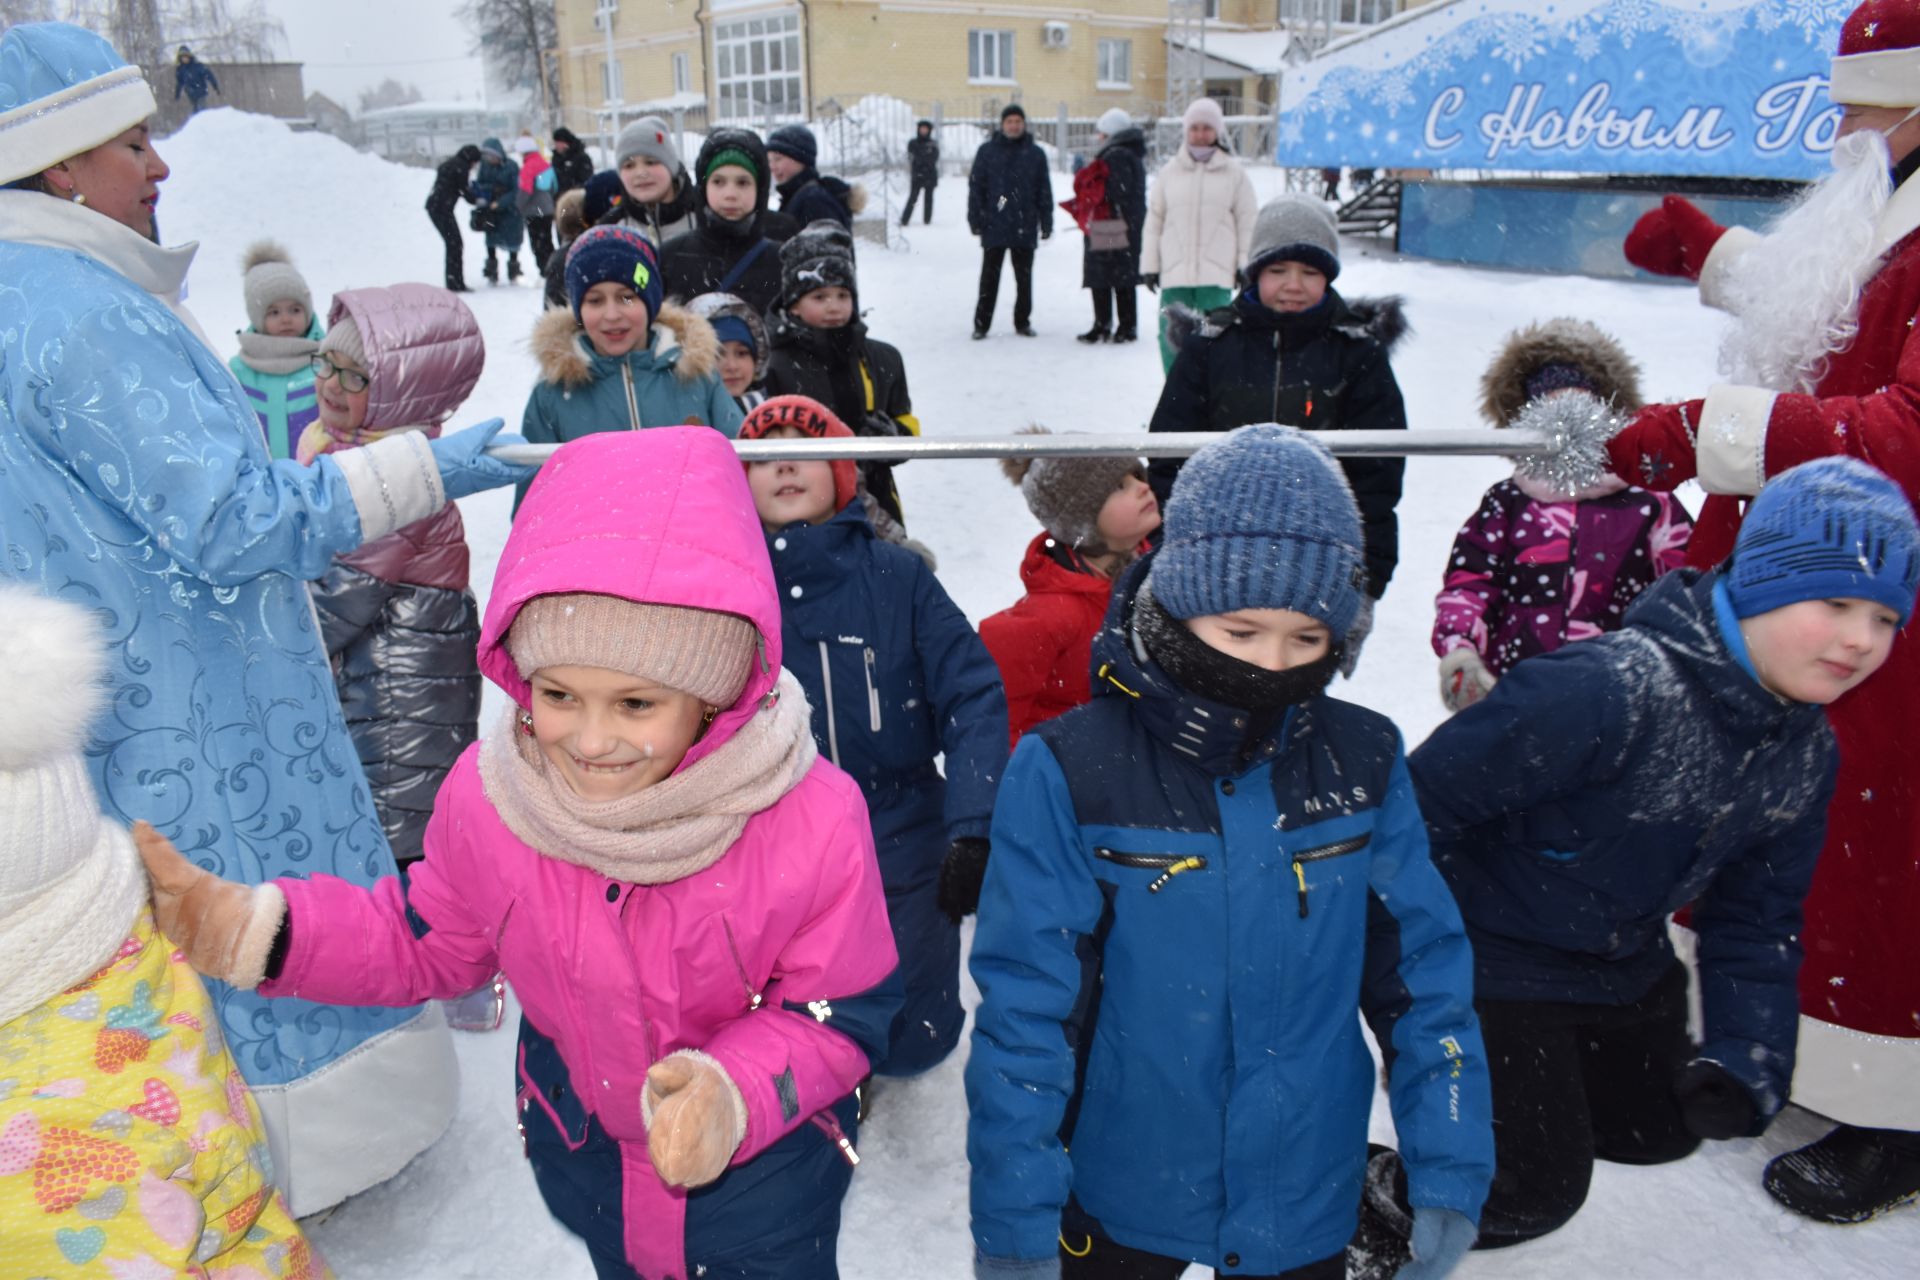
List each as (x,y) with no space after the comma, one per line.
(134,479)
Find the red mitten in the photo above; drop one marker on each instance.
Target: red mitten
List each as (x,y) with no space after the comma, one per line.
(1674,239)
(1655,450)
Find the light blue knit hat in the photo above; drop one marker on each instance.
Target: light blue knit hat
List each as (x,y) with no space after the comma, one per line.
(63,90)
(1262,519)
(1829,529)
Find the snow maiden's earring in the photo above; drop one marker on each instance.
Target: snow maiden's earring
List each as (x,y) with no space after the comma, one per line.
(706,717)
(79,198)
(526,723)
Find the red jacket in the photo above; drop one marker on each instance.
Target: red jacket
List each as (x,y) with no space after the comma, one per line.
(1044,643)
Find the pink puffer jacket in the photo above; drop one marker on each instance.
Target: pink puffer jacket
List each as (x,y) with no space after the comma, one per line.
(620,975)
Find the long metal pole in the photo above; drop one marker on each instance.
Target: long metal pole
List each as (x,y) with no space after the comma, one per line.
(1170,444)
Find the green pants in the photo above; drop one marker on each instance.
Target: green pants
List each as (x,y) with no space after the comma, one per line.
(1201,297)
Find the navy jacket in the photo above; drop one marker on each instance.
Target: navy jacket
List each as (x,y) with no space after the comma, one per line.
(1009,193)
(1605,785)
(1126,157)
(807,197)
(923,160)
(1321,370)
(1177,929)
(193,78)
(896,675)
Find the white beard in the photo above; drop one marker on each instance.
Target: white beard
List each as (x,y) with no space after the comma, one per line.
(1796,294)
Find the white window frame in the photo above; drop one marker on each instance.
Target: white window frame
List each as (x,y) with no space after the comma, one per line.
(682,73)
(759,60)
(1104,52)
(990,56)
(612,81)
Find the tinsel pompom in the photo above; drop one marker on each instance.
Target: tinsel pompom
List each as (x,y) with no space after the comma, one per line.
(1576,427)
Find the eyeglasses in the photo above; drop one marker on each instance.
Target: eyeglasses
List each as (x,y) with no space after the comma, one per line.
(352,381)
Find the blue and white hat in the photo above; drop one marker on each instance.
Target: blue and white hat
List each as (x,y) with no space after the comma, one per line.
(63,90)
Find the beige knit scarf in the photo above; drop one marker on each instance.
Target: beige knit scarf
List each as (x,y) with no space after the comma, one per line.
(670,830)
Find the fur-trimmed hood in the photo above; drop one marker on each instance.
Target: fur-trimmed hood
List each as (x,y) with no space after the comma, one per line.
(679,339)
(1382,319)
(1561,340)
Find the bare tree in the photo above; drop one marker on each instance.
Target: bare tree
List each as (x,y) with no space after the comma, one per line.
(389,93)
(514,37)
(145,32)
(12,11)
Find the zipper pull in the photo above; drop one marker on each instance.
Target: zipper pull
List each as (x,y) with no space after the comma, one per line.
(829,1124)
(1185,864)
(1300,875)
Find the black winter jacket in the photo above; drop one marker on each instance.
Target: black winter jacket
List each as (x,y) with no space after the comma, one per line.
(696,261)
(923,160)
(572,167)
(807,197)
(862,379)
(1322,370)
(451,179)
(1010,193)
(1126,157)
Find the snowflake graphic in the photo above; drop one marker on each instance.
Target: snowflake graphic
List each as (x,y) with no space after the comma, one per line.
(1586,46)
(1517,40)
(1815,18)
(1394,91)
(1635,17)
(1292,129)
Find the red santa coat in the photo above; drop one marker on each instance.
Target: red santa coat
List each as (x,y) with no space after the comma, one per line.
(1044,643)
(1859,1051)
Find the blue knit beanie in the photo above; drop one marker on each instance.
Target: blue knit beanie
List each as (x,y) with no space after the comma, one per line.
(1830,529)
(796,142)
(1262,519)
(604,192)
(618,254)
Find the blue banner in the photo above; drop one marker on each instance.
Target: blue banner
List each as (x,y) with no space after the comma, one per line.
(1724,88)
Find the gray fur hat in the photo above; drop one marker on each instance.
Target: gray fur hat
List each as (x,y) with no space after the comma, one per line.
(269,277)
(1581,354)
(1066,494)
(1295,227)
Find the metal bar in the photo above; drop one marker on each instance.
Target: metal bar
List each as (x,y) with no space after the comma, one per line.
(1170,444)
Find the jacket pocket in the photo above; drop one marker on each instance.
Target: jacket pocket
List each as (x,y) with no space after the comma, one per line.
(1320,853)
(1168,865)
(753,997)
(873,690)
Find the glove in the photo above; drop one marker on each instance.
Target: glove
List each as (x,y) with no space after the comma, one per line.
(962,873)
(1152,280)
(1046,233)
(1655,450)
(1441,1237)
(1356,637)
(1714,1104)
(226,930)
(1464,679)
(986,1268)
(1673,240)
(879,424)
(465,468)
(695,1118)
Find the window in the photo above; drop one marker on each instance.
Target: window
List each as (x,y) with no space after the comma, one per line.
(1115,64)
(682,81)
(990,57)
(1366,12)
(1352,13)
(757,67)
(610,82)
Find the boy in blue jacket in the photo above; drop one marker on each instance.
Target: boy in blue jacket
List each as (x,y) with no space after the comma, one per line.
(1599,788)
(896,676)
(1197,880)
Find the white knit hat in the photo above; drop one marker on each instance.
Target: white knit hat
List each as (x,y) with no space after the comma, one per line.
(1112,121)
(71,885)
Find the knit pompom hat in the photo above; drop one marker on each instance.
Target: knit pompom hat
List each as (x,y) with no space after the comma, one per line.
(1262,519)
(63,90)
(1295,227)
(1066,494)
(268,278)
(697,651)
(618,255)
(1829,529)
(71,884)
(815,421)
(819,257)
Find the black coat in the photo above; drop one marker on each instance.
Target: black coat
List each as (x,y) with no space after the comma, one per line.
(807,197)
(923,159)
(696,261)
(572,167)
(827,365)
(1010,193)
(451,179)
(1322,370)
(1126,157)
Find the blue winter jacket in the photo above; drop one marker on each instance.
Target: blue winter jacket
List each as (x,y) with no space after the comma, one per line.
(1009,193)
(896,676)
(1177,929)
(1601,787)
(193,78)
(497,183)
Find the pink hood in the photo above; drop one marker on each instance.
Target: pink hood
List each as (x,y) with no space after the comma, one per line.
(423,347)
(661,517)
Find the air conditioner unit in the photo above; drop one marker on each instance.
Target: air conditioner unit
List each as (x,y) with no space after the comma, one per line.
(1053,35)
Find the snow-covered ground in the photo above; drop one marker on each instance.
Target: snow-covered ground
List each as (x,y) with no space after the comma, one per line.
(468,1208)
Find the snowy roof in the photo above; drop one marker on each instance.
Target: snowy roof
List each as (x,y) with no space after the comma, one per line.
(413,110)
(686,100)
(1261,52)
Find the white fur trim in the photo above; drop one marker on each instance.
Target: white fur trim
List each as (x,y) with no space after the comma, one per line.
(1730,447)
(733,1091)
(1882,78)
(357,1121)
(30,217)
(42,133)
(394,482)
(1899,219)
(66,933)
(1716,273)
(1857,1078)
(255,943)
(53,656)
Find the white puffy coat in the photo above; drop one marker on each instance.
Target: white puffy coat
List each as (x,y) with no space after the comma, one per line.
(1199,221)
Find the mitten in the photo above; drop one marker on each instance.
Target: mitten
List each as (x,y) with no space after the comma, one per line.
(961,875)
(1714,1104)
(1673,239)
(1152,280)
(695,1118)
(1655,450)
(879,424)
(1046,233)
(1464,679)
(225,930)
(987,1268)
(1356,637)
(466,468)
(1441,1237)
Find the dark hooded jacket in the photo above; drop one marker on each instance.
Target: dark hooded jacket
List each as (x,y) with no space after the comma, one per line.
(862,379)
(923,158)
(1126,157)
(451,178)
(572,167)
(1321,370)
(807,197)
(1010,193)
(700,260)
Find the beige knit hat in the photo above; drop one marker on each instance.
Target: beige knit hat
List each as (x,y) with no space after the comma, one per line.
(698,651)
(343,336)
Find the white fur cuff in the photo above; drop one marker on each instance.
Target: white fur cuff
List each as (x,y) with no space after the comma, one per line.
(1857,1078)
(393,481)
(255,943)
(1716,273)
(1730,447)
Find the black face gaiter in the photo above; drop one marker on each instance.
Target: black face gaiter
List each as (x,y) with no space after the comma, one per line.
(1201,669)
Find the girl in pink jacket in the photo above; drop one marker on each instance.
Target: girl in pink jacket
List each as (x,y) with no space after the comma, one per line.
(683,895)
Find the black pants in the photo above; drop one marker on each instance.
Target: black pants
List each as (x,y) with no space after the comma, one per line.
(1103,308)
(913,193)
(1572,1083)
(1105,1260)
(449,228)
(990,261)
(540,240)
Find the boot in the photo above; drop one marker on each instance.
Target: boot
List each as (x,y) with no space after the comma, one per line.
(513,268)
(492,270)
(1098,333)
(1850,1175)
(1125,334)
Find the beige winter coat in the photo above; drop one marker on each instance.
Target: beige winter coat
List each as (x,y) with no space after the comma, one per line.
(1199,221)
